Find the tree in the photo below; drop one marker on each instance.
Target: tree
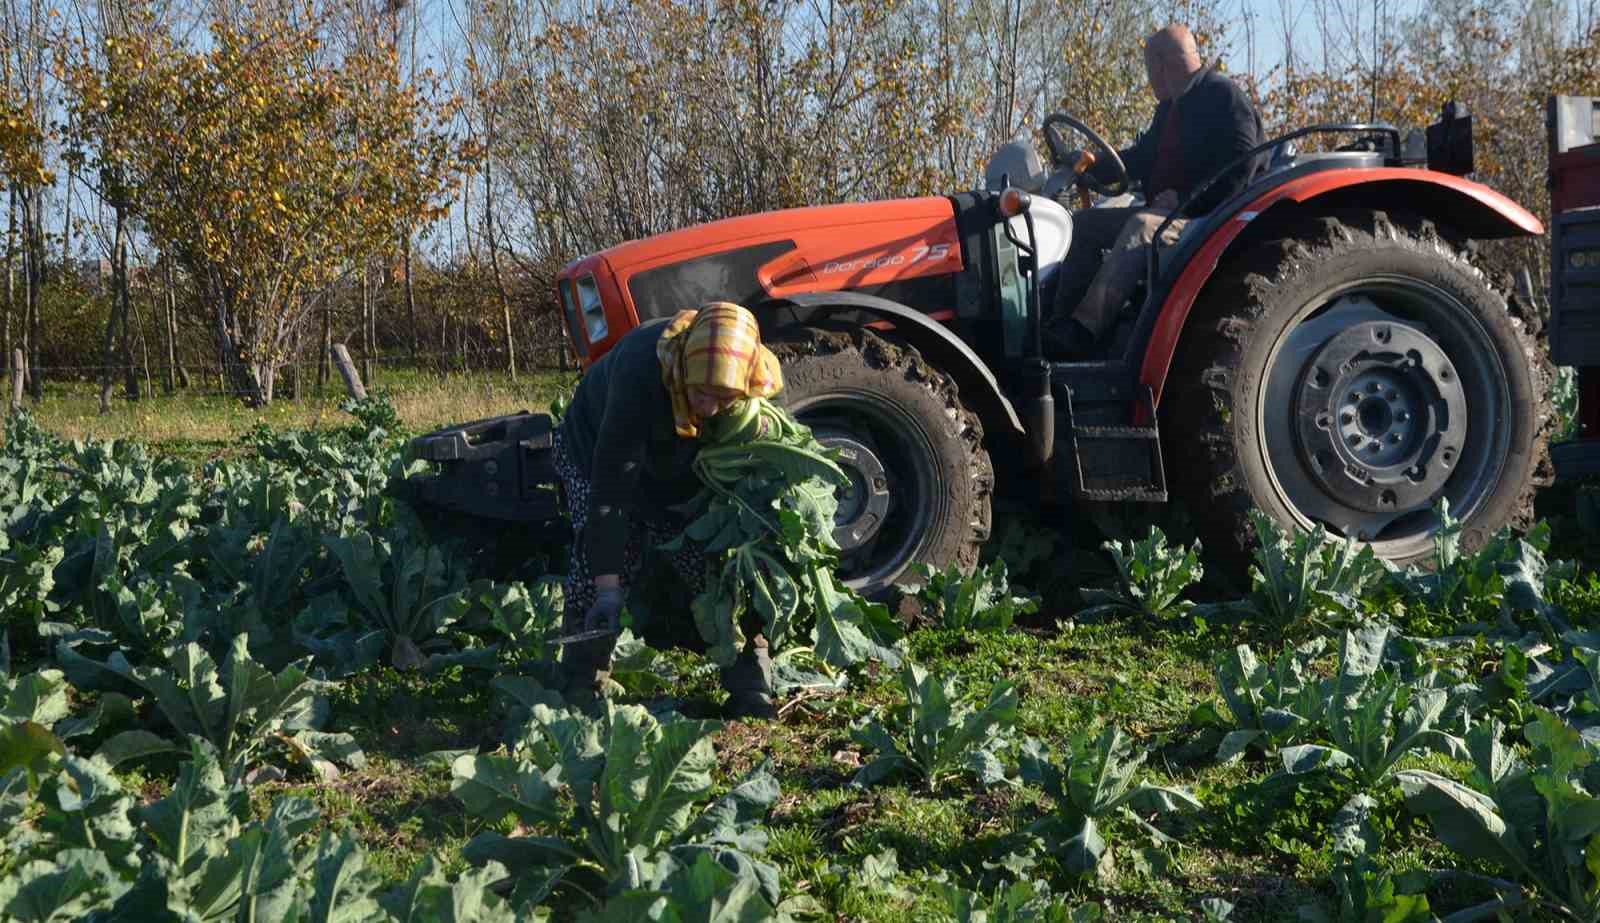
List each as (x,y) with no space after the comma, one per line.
(265,164)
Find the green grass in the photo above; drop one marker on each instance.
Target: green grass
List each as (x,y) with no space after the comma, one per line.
(1264,851)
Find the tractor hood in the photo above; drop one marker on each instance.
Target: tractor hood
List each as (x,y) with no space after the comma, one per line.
(752,258)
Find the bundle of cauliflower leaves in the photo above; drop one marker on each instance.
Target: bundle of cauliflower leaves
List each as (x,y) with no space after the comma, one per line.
(765,521)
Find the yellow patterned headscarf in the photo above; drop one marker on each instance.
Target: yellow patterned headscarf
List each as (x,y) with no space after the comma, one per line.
(717,346)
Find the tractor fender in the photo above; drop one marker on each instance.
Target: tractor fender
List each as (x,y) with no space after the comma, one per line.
(937,344)
(1473,208)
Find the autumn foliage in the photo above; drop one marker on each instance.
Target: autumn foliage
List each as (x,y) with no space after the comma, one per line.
(267,165)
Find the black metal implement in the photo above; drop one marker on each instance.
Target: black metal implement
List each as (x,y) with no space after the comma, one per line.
(498,468)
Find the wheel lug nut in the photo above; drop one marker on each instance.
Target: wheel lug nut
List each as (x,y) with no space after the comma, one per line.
(1347,417)
(1355,441)
(1355,397)
(1403,416)
(1394,438)
(1373,387)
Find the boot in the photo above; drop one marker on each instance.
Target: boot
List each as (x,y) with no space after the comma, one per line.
(749,683)
(585,666)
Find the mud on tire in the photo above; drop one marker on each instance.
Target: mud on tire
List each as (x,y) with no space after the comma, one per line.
(854,384)
(1224,398)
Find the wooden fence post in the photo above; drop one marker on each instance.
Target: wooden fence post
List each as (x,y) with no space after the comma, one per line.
(347,370)
(19,372)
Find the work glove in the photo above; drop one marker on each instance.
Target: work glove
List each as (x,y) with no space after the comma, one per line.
(606,612)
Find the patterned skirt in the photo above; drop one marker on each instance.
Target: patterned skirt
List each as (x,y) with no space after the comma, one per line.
(689,564)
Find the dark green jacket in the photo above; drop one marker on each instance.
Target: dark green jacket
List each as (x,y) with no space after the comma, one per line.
(619,430)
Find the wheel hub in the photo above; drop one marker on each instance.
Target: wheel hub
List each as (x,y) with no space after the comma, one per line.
(1380,417)
(864,502)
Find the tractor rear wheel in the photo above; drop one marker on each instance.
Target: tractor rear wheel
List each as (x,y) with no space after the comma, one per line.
(920,477)
(1352,373)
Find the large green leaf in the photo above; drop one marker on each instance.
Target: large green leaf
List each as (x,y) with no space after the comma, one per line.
(937,732)
(734,819)
(491,787)
(1099,774)
(86,808)
(699,892)
(1352,830)
(653,776)
(38,697)
(71,885)
(850,630)
(342,890)
(1463,819)
(201,808)
(429,896)
(28,746)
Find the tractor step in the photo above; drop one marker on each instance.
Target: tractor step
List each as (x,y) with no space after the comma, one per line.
(1116,462)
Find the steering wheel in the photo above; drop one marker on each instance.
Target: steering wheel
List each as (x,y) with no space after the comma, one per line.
(1059,152)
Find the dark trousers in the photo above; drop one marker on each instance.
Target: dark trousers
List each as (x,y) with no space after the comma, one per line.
(1106,283)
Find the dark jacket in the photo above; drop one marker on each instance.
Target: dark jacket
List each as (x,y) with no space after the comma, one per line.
(1216,123)
(618,430)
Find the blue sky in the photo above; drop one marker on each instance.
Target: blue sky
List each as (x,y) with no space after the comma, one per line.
(1273,23)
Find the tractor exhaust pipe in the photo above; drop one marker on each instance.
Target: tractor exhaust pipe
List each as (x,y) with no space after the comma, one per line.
(1038,414)
(1038,410)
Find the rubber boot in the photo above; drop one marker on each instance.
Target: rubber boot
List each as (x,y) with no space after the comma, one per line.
(585,666)
(749,683)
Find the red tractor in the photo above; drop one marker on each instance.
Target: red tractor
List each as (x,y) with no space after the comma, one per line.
(1320,347)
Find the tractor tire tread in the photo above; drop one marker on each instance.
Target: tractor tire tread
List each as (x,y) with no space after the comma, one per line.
(1228,315)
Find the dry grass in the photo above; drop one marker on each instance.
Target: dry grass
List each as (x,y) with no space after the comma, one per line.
(424,400)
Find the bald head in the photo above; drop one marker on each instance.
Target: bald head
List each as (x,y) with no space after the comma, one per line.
(1170,59)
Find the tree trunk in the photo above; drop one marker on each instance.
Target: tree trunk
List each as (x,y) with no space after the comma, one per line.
(11,272)
(40,276)
(144,341)
(366,330)
(33,280)
(234,373)
(66,226)
(327,344)
(297,370)
(118,306)
(372,327)
(169,326)
(130,373)
(494,269)
(411,297)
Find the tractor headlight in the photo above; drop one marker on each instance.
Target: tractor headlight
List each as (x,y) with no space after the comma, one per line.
(594,312)
(569,309)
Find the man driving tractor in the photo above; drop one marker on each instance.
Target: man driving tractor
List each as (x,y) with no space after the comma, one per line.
(1202,122)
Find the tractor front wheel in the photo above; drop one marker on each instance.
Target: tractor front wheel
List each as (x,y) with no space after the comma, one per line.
(1352,374)
(920,476)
